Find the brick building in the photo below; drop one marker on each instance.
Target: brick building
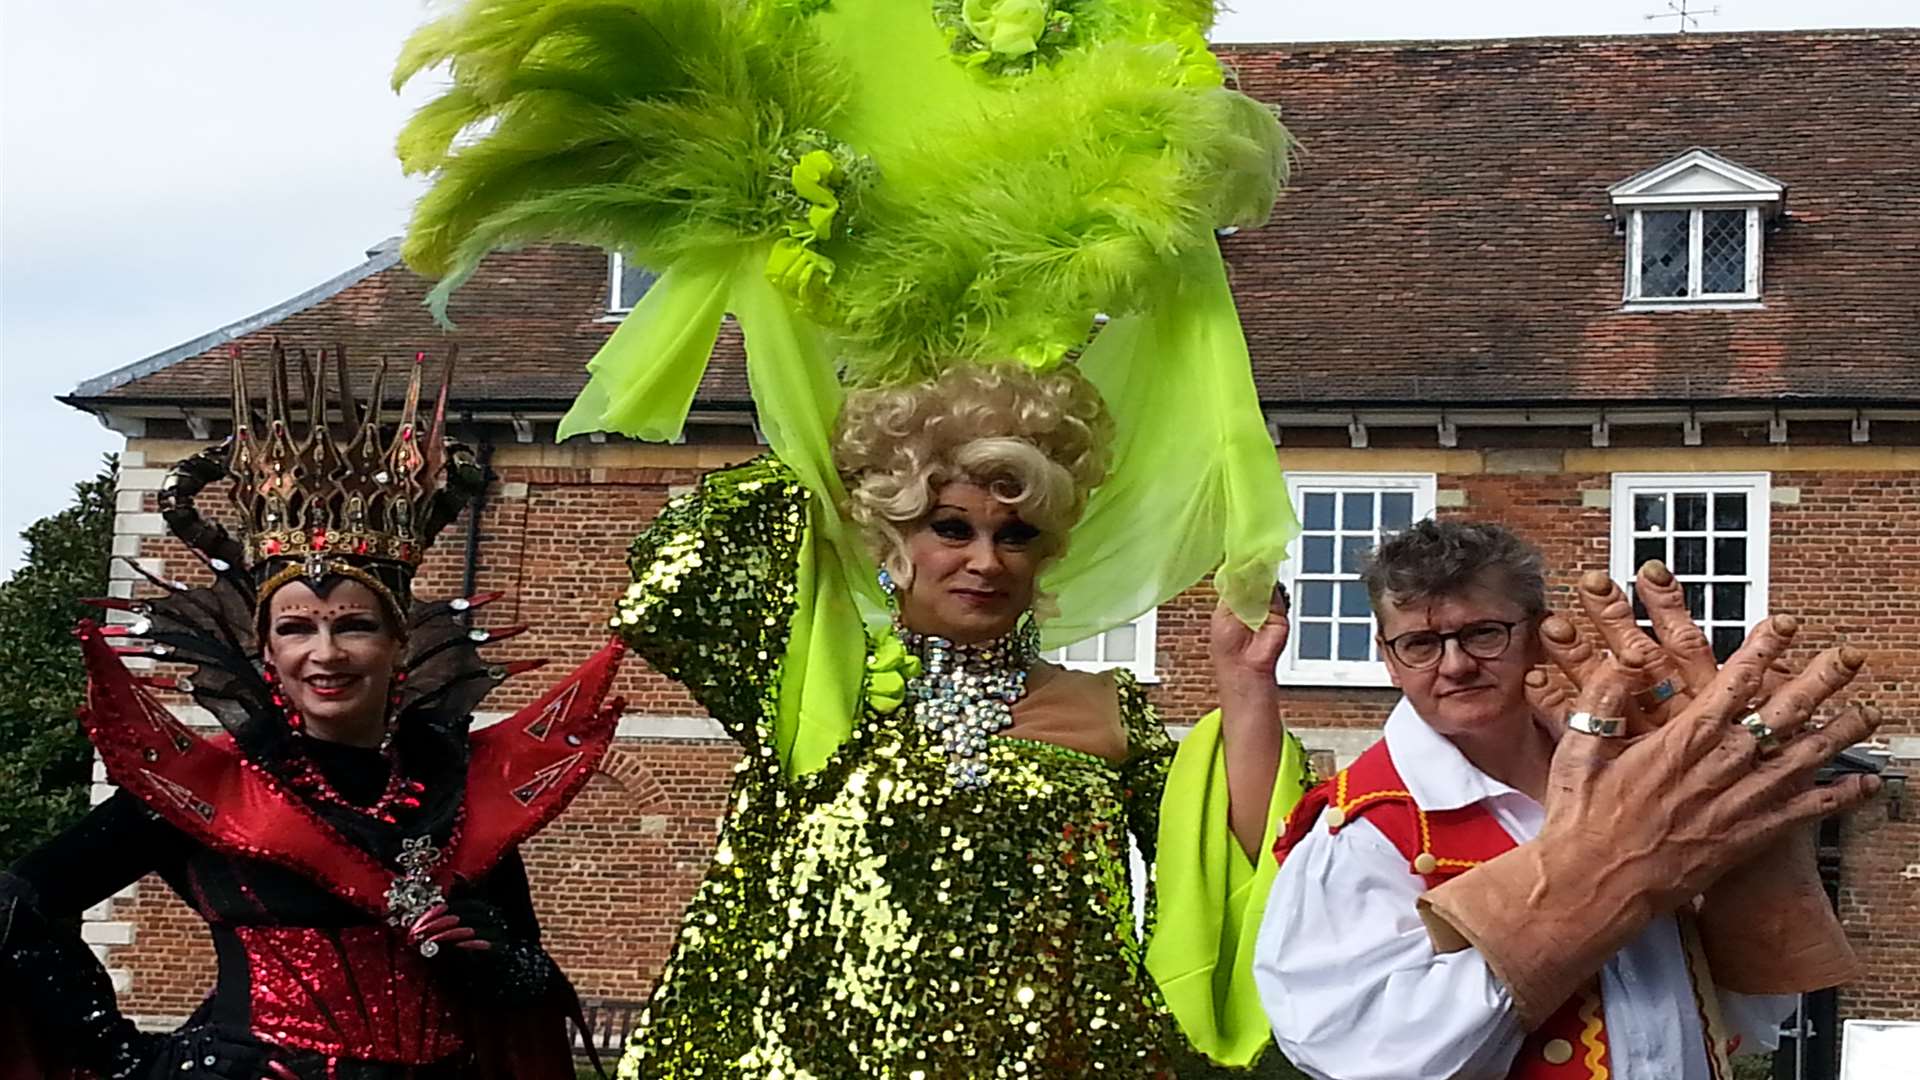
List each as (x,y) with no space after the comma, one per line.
(1635,297)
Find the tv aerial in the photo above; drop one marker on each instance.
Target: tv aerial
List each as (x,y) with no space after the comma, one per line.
(1685,16)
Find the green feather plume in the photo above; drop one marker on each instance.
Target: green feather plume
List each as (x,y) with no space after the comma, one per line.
(654,127)
(665,128)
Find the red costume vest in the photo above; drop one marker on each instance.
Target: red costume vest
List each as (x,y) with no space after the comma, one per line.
(1440,844)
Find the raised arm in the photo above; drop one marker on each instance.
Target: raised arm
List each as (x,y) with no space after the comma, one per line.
(713,587)
(1251,730)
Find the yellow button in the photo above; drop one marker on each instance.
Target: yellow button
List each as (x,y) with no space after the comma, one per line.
(1557,1051)
(1425,863)
(1336,817)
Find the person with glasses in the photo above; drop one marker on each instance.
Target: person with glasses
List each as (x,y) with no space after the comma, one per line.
(1506,887)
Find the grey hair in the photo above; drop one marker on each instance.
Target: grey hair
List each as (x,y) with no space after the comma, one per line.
(1444,558)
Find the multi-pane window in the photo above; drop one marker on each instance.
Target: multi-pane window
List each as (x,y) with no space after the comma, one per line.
(627,282)
(1710,529)
(1129,646)
(1694,254)
(1342,517)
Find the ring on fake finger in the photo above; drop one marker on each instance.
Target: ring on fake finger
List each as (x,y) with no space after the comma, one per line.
(1764,737)
(1659,693)
(1605,727)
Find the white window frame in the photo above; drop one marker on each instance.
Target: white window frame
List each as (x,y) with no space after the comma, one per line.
(1145,652)
(1757,486)
(616,268)
(1293,671)
(1695,233)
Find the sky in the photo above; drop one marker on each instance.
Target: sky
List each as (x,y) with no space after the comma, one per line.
(166,169)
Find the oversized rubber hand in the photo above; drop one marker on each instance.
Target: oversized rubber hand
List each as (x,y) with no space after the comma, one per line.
(1638,827)
(1663,674)
(1767,925)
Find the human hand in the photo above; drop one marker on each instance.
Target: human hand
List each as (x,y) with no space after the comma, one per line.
(1697,796)
(1244,658)
(459,925)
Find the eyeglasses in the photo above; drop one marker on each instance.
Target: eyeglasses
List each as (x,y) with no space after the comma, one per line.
(1484,640)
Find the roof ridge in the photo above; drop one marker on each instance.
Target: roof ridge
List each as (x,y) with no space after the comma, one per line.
(382,256)
(1705,37)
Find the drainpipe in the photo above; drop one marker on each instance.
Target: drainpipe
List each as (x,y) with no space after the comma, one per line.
(469,577)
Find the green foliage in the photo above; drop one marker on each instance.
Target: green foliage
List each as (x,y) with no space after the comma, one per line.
(45,764)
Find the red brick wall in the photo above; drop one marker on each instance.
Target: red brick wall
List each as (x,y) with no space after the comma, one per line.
(611,876)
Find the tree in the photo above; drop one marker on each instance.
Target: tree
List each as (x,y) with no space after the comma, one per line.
(45,763)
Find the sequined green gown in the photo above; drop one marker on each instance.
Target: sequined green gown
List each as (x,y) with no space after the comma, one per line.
(869,919)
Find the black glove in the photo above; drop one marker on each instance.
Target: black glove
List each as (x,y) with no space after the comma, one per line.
(64,990)
(214,1053)
(492,961)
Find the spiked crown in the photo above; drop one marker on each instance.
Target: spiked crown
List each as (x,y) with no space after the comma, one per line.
(312,504)
(309,493)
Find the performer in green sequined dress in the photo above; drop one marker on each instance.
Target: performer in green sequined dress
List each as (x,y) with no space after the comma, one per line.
(937,901)
(908,207)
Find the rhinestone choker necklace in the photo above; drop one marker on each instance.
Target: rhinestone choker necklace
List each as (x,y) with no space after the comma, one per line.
(965,693)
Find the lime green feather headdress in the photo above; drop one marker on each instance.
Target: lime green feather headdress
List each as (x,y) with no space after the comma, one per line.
(875,189)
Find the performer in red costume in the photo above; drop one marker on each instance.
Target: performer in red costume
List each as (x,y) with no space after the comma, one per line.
(352,847)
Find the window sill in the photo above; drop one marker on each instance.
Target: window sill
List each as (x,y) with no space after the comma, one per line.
(1371,676)
(1729,304)
(614,317)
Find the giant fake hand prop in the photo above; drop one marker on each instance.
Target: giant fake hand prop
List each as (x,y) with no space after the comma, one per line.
(1766,924)
(1640,826)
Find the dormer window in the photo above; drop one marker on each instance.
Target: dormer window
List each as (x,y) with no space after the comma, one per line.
(1694,229)
(627,282)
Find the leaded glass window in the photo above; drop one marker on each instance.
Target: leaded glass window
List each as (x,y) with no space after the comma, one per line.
(1694,254)
(1711,531)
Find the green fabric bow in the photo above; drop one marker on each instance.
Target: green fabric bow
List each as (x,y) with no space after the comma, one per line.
(889,667)
(794,264)
(1007,27)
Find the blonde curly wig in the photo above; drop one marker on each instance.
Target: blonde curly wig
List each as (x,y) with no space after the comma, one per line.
(1040,442)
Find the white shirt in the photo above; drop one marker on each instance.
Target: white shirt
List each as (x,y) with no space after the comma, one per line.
(1355,991)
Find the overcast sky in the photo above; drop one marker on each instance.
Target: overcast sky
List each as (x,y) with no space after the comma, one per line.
(168,168)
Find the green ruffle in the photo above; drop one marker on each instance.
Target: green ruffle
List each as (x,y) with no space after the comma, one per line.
(1203,960)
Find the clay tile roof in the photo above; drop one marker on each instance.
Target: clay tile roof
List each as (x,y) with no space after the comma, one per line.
(526,324)
(1446,238)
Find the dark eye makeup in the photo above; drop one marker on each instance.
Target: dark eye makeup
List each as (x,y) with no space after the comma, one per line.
(1017,534)
(951,529)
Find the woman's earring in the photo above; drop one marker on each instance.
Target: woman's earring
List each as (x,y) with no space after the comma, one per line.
(272,678)
(890,587)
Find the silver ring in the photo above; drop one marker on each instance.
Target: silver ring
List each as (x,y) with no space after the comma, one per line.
(1605,727)
(1765,739)
(1658,694)
(429,949)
